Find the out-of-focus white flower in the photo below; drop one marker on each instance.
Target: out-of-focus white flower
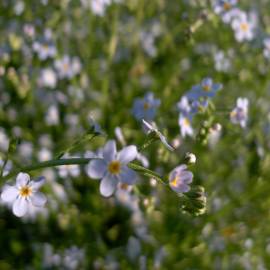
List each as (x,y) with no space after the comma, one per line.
(244,28)
(185,125)
(48,78)
(44,49)
(7,168)
(214,134)
(44,154)
(68,67)
(25,150)
(98,6)
(4,141)
(266,50)
(72,170)
(52,116)
(148,43)
(29,30)
(73,257)
(239,114)
(23,194)
(222,63)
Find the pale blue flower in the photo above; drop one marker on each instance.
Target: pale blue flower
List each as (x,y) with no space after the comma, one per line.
(24,194)
(180,178)
(206,89)
(113,167)
(145,108)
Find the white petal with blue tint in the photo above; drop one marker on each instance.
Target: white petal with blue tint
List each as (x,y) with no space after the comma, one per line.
(127,154)
(38,199)
(38,183)
(22,179)
(20,207)
(109,150)
(96,168)
(128,176)
(108,185)
(9,194)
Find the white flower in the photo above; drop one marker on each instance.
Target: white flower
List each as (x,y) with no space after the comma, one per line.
(152,128)
(44,50)
(48,78)
(72,170)
(243,28)
(239,114)
(98,6)
(112,168)
(68,67)
(24,194)
(185,125)
(266,50)
(52,116)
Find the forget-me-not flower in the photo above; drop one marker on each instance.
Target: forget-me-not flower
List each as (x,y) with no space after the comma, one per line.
(206,89)
(243,28)
(23,194)
(180,178)
(112,168)
(145,108)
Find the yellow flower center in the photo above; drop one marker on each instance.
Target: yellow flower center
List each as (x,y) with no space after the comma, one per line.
(114,167)
(25,191)
(206,87)
(146,106)
(244,27)
(45,47)
(65,67)
(186,122)
(226,6)
(174,182)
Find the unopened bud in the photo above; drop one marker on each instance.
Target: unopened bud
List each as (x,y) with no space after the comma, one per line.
(190,158)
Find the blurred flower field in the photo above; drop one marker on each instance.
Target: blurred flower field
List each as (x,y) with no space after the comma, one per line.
(134,134)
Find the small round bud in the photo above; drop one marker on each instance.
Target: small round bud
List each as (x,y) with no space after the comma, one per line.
(190,158)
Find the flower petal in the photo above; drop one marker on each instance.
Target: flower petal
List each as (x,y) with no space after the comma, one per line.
(109,150)
(128,176)
(38,183)
(22,179)
(127,154)
(38,199)
(20,207)
(108,185)
(9,193)
(96,168)
(165,143)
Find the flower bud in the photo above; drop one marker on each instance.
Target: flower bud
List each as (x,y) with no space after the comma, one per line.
(190,158)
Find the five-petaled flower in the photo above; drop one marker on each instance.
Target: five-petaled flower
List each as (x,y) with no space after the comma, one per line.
(180,178)
(24,194)
(145,108)
(112,168)
(206,89)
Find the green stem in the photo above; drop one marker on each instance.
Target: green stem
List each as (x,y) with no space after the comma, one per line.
(77,161)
